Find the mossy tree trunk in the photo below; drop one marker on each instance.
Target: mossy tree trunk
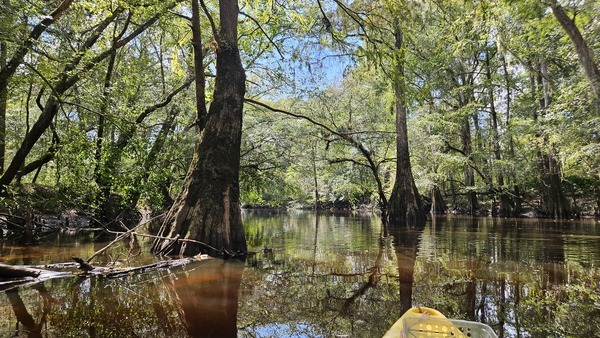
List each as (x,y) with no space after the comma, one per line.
(208,207)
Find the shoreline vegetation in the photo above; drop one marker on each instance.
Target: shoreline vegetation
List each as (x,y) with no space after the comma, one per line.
(30,215)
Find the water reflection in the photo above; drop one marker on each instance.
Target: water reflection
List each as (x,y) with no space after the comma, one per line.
(208,298)
(328,275)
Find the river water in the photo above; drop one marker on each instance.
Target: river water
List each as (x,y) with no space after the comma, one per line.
(325,275)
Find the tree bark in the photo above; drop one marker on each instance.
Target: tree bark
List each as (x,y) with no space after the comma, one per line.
(115,152)
(64,82)
(317,204)
(405,203)
(9,271)
(554,201)
(585,54)
(472,203)
(208,207)
(100,178)
(437,201)
(3,97)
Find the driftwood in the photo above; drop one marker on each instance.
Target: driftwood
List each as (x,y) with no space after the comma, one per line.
(16,276)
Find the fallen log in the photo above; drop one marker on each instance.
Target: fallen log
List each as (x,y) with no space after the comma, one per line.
(34,276)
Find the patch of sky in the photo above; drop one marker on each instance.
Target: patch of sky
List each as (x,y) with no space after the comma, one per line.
(308,65)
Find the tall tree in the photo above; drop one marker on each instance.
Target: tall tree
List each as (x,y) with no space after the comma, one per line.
(207,209)
(405,203)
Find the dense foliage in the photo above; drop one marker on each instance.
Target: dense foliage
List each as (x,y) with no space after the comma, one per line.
(97,102)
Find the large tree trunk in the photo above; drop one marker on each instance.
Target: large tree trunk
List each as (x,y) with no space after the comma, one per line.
(585,54)
(554,201)
(405,203)
(438,206)
(208,207)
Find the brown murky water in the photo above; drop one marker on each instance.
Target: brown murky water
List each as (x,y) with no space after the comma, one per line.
(328,275)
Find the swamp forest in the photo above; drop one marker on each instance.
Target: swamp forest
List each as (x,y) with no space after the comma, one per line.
(271,168)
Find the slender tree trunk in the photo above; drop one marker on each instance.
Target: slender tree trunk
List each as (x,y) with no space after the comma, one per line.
(114,156)
(504,208)
(199,67)
(405,203)
(150,161)
(472,203)
(317,204)
(33,330)
(585,54)
(38,128)
(7,71)
(208,207)
(100,173)
(597,192)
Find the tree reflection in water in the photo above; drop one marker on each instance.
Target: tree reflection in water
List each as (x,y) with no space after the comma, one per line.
(208,297)
(30,328)
(328,275)
(406,243)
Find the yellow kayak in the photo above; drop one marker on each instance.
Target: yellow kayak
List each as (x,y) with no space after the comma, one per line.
(427,322)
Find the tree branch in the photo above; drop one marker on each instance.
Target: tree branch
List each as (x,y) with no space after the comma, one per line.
(17,59)
(210,19)
(265,33)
